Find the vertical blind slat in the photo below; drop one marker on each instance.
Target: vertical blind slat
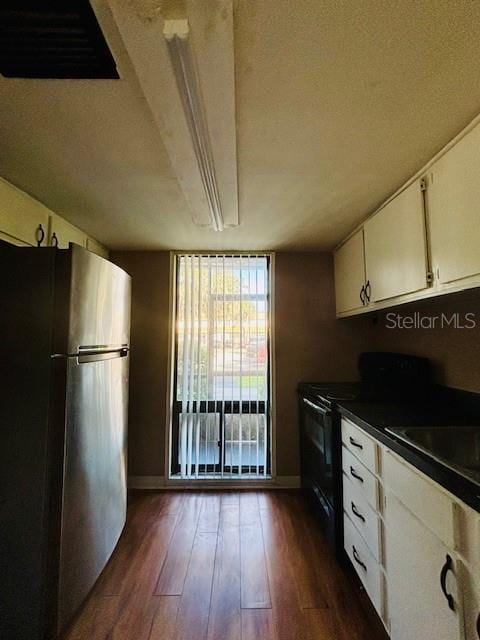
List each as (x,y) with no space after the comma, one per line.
(223,363)
(190,368)
(199,370)
(186,372)
(240,349)
(207,369)
(257,302)
(266,326)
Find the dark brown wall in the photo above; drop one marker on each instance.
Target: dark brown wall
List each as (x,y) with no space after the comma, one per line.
(454,352)
(310,344)
(149,358)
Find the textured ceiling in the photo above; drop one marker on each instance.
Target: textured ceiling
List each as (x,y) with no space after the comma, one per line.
(337,104)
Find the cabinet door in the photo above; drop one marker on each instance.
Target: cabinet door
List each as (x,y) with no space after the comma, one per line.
(350,273)
(23,220)
(62,233)
(471,597)
(453,199)
(396,248)
(417,564)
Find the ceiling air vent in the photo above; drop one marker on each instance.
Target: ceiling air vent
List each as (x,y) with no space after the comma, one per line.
(47,39)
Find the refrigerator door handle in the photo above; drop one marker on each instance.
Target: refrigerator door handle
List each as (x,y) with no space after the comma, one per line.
(97,354)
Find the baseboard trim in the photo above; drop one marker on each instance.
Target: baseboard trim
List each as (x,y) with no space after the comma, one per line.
(161,483)
(146,482)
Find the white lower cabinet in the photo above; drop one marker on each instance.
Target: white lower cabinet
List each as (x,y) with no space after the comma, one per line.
(424,599)
(365,564)
(414,545)
(470,581)
(362,513)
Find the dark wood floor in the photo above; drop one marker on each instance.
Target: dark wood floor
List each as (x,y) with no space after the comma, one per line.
(222,566)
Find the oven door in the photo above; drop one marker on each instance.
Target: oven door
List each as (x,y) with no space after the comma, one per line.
(317,449)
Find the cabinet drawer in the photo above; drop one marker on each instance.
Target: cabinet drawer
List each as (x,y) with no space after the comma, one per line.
(365,564)
(425,500)
(362,478)
(362,515)
(362,446)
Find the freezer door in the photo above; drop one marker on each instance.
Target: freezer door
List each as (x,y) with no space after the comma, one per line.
(94,474)
(99,302)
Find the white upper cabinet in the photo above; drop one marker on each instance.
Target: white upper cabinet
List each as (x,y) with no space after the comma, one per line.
(26,221)
(96,247)
(62,233)
(396,247)
(23,220)
(453,199)
(350,274)
(421,243)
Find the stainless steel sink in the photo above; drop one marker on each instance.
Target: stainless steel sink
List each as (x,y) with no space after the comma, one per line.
(455,447)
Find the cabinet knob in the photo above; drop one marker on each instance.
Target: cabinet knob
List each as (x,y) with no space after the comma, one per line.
(40,235)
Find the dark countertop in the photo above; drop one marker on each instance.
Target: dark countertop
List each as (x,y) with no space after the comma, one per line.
(458,410)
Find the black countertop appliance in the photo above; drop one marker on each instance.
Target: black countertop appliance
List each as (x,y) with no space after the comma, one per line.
(384,377)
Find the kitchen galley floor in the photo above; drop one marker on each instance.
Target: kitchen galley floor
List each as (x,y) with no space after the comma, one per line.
(223,566)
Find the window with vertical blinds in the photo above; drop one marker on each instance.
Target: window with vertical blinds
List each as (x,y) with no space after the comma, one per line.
(221,398)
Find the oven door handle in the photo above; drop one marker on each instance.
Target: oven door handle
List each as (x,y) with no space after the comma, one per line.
(316,408)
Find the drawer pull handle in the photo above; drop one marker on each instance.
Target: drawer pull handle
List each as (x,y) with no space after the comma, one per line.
(357,559)
(356,512)
(354,443)
(448,566)
(355,475)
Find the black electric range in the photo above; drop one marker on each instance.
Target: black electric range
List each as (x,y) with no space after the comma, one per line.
(384,377)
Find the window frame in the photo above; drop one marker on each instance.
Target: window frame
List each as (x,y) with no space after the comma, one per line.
(266,408)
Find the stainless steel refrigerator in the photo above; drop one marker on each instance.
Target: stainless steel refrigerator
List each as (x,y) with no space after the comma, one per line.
(64,335)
